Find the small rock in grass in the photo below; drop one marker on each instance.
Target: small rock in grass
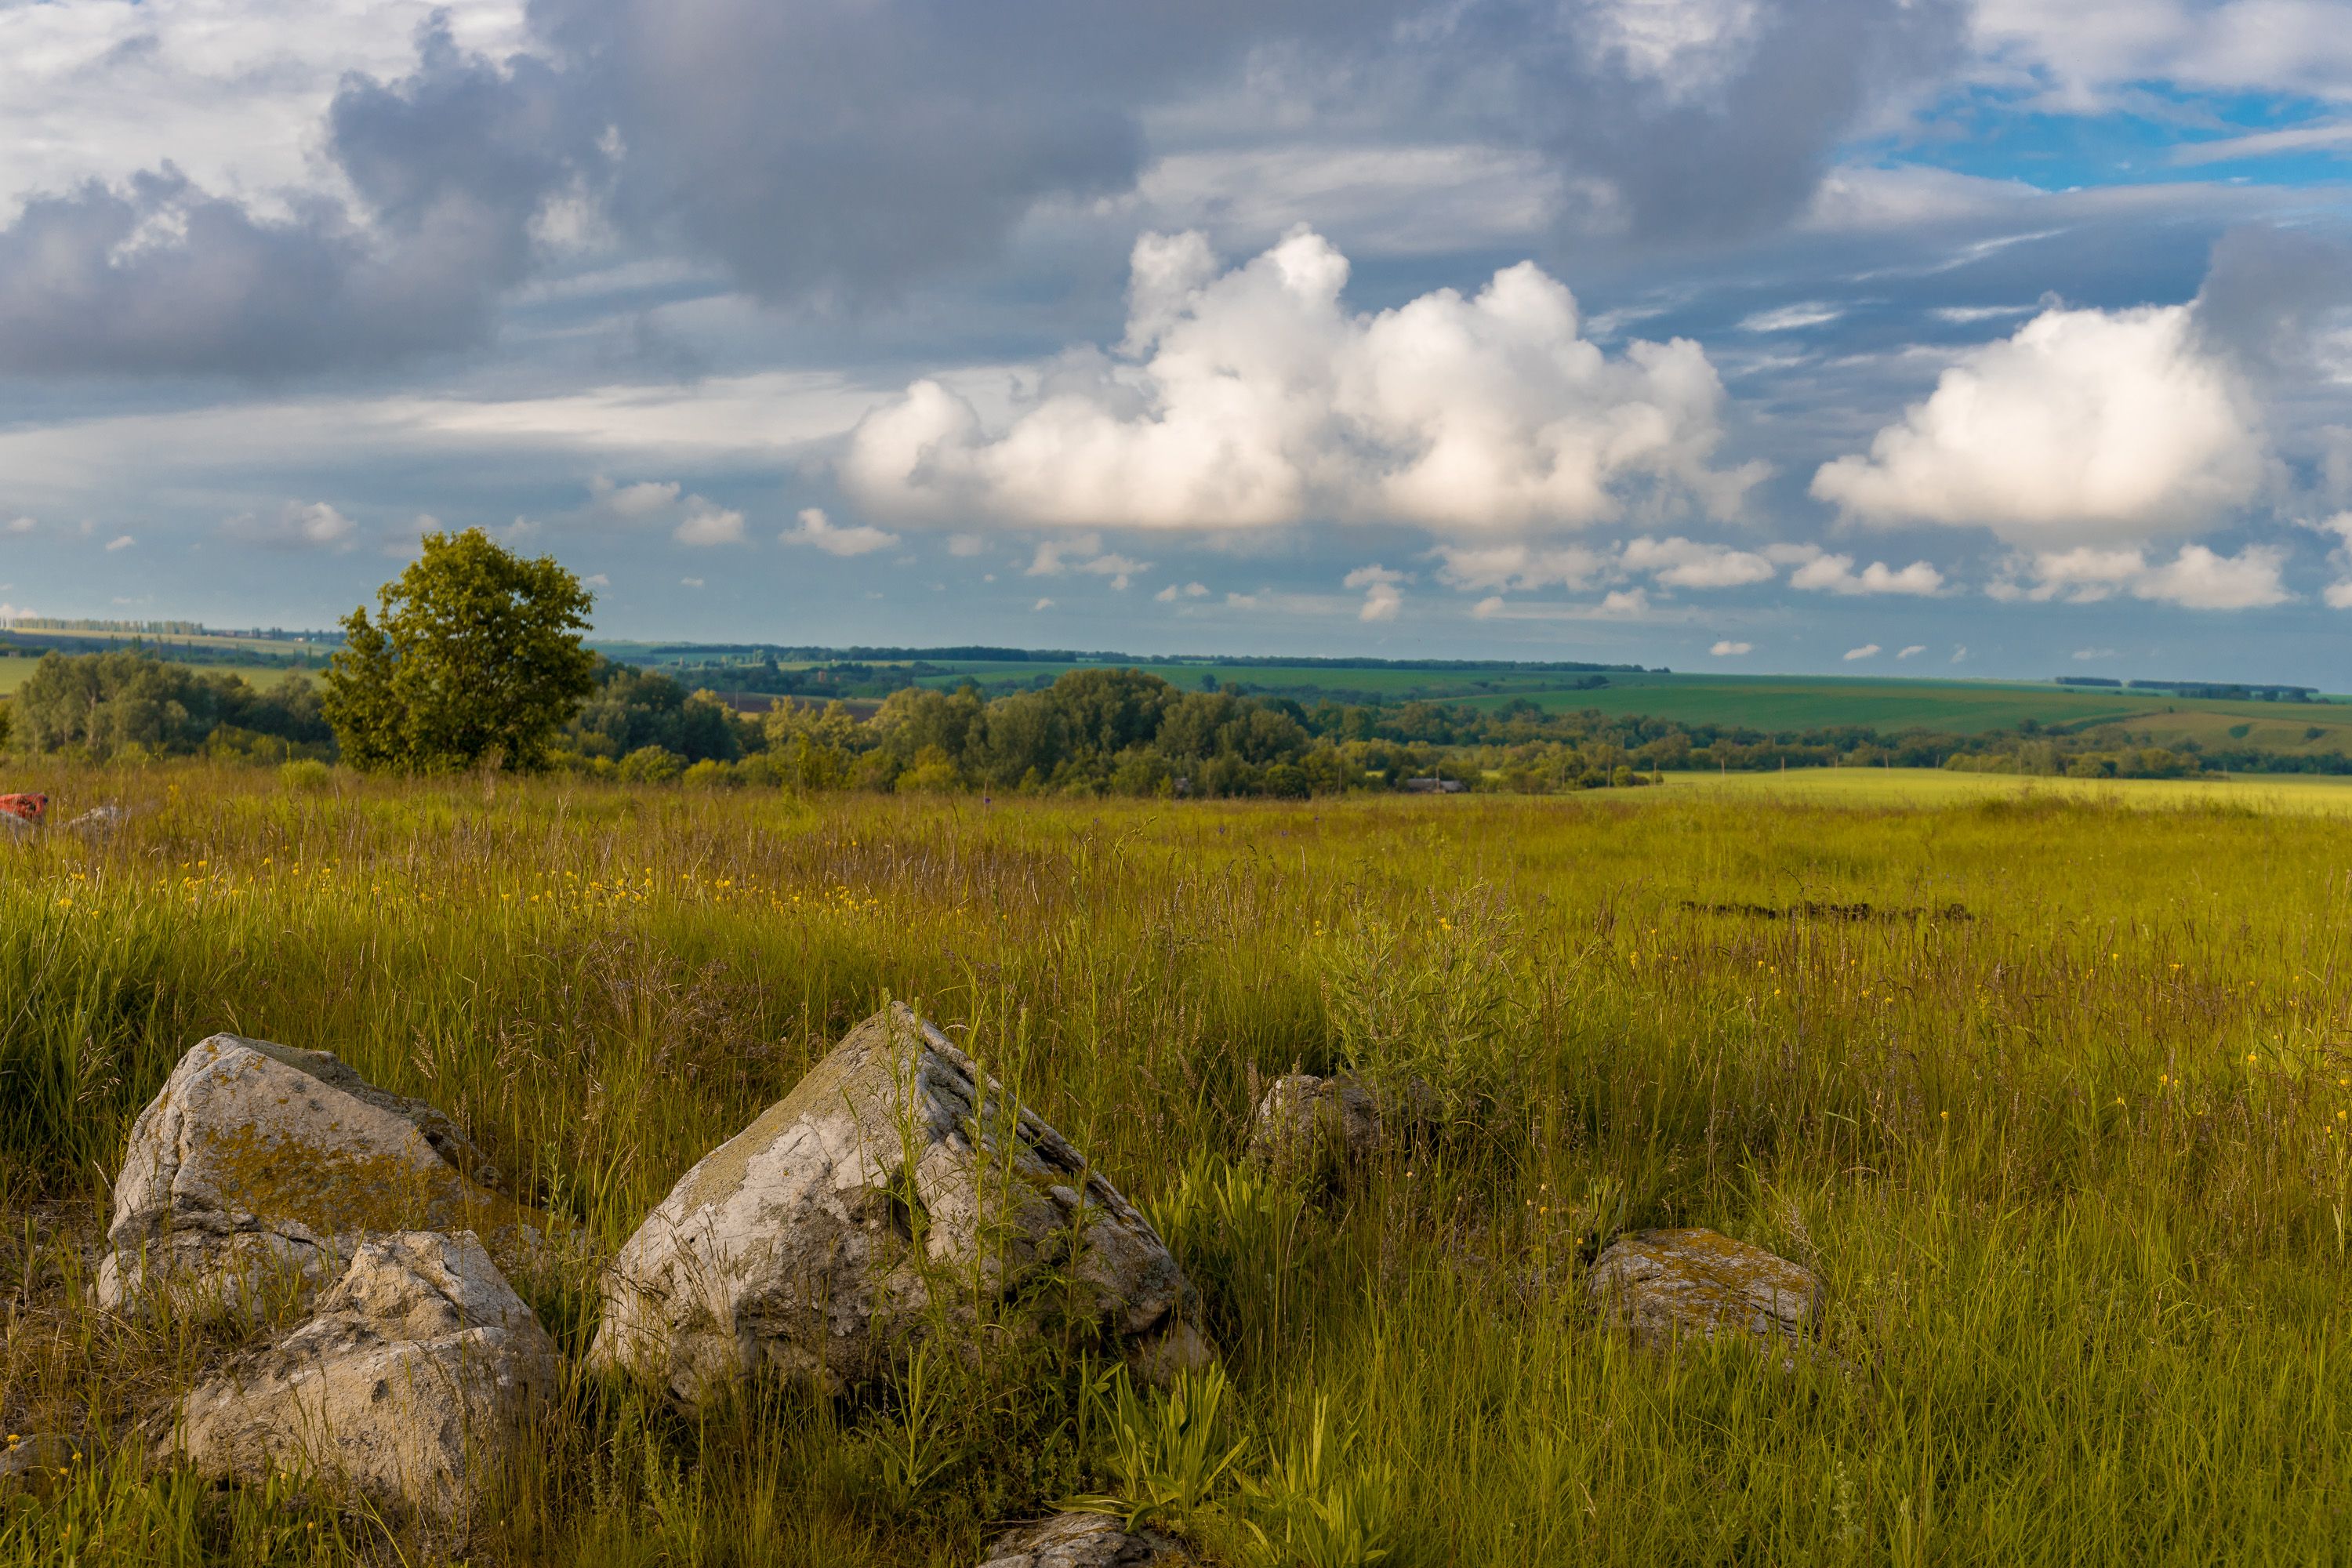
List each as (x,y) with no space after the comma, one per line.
(1313,1125)
(258,1165)
(36,1461)
(1665,1283)
(896,1187)
(420,1372)
(1082,1541)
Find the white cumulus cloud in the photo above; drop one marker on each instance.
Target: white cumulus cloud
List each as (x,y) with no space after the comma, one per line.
(2196,578)
(1679,562)
(120,541)
(1382,598)
(1867,650)
(1729,649)
(294,526)
(2085,425)
(1057,557)
(1825,573)
(814,529)
(2339,594)
(1175,592)
(1252,397)
(633,504)
(1523,567)
(1624,602)
(1913,651)
(705,522)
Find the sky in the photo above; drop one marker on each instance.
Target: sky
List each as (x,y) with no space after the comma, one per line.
(1986,338)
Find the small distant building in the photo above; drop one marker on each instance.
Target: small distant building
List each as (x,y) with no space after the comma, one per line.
(1435,787)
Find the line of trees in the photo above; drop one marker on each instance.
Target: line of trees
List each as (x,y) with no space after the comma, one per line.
(1093,731)
(130,705)
(474,657)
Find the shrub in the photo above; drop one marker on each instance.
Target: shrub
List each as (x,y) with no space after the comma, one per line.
(652,764)
(307,774)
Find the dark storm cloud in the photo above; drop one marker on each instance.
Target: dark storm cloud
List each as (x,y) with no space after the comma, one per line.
(853,147)
(1727,137)
(2267,291)
(453,164)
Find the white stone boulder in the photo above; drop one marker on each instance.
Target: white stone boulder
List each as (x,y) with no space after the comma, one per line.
(408,1389)
(1661,1284)
(1084,1541)
(259,1165)
(896,1187)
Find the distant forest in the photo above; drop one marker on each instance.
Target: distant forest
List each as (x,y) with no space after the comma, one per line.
(1097,731)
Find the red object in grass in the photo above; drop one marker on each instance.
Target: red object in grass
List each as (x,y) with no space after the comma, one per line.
(31,807)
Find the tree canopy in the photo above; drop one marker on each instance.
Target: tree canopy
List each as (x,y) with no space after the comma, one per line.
(475,658)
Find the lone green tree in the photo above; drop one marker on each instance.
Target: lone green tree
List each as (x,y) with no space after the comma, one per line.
(474,660)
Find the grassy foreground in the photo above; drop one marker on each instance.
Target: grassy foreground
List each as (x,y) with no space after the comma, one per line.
(2053,1093)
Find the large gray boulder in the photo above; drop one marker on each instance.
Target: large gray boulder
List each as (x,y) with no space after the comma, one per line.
(1661,1284)
(1084,1541)
(897,1187)
(410,1386)
(259,1166)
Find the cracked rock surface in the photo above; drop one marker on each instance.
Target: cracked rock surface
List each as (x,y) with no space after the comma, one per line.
(896,1184)
(259,1165)
(413,1382)
(1662,1283)
(1316,1125)
(1082,1541)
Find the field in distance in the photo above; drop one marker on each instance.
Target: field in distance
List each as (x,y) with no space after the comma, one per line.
(2289,794)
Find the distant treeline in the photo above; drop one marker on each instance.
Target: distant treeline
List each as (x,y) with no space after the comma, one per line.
(24,640)
(1091,731)
(684,654)
(2211,689)
(1127,731)
(850,678)
(127,703)
(165,629)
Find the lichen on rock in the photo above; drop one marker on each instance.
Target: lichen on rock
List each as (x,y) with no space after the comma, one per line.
(895,1189)
(1084,1541)
(1665,1283)
(407,1389)
(260,1167)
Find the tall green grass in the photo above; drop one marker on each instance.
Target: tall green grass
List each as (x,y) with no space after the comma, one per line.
(2053,1094)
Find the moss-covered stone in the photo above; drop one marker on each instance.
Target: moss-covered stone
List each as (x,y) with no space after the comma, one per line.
(250,1171)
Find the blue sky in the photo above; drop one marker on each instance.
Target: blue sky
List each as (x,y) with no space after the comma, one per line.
(1855,336)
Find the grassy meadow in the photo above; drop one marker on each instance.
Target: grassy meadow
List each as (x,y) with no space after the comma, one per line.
(2050,1085)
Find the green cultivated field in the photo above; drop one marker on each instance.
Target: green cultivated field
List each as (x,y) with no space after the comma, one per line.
(2280,795)
(2051,1085)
